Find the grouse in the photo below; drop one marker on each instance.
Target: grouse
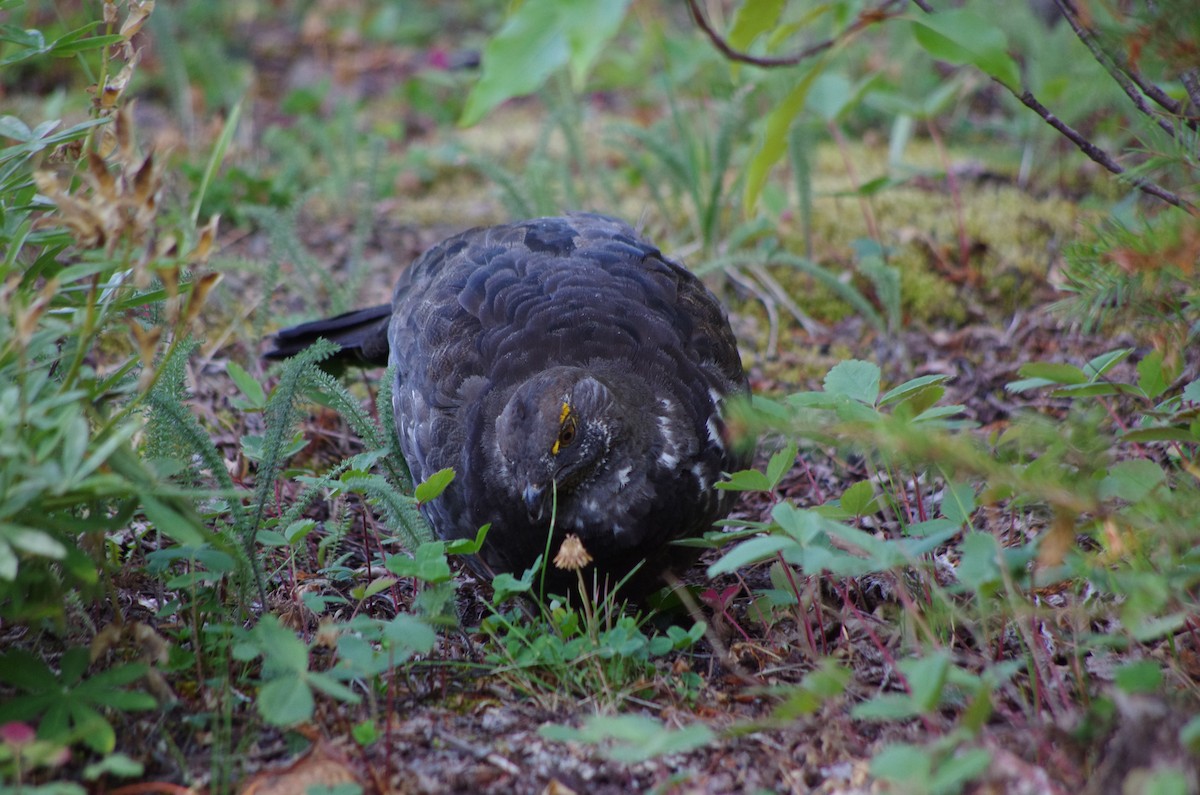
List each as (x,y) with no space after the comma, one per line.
(573,378)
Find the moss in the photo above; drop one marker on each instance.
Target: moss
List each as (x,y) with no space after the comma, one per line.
(1012,239)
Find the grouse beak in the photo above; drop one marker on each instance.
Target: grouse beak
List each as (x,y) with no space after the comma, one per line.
(534,498)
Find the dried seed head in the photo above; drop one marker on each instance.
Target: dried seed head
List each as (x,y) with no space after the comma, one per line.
(571,555)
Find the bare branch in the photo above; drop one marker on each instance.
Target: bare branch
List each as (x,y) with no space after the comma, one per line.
(865,19)
(1099,155)
(1134,88)
(1191,84)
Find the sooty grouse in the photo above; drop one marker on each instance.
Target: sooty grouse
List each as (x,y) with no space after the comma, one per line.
(564,369)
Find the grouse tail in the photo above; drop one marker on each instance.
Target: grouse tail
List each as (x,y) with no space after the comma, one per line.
(362,334)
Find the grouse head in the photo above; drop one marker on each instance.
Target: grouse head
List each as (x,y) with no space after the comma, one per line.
(554,434)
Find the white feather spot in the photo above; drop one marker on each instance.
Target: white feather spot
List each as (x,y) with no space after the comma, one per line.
(668,460)
(623,475)
(714,433)
(664,430)
(698,471)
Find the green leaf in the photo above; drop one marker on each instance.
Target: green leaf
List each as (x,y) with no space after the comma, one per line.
(911,387)
(1151,378)
(1139,676)
(1131,480)
(954,773)
(752,19)
(1192,391)
(1101,364)
(960,36)
(855,379)
(631,738)
(775,136)
(285,701)
(377,585)
(859,499)
(429,564)
(251,387)
(753,550)
(33,542)
(1053,373)
(780,464)
(927,679)
(113,765)
(979,567)
(409,634)
(746,480)
(958,503)
(589,26)
(904,763)
(538,38)
(468,546)
(171,523)
(886,707)
(433,486)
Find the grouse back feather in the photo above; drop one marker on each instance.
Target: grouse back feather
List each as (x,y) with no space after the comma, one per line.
(573,378)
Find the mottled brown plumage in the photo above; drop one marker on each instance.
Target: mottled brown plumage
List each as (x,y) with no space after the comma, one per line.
(565,370)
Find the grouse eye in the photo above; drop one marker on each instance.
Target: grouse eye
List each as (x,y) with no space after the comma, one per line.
(566,434)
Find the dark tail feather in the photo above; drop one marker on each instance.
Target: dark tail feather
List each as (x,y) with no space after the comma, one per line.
(361,333)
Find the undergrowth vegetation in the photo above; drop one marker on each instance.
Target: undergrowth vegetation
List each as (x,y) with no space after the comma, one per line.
(195,551)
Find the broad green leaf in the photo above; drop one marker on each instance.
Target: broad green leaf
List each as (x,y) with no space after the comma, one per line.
(1151,378)
(589,27)
(961,36)
(958,502)
(631,738)
(1138,676)
(911,387)
(251,387)
(775,136)
(409,634)
(927,678)
(963,767)
(539,37)
(1192,391)
(855,379)
(859,499)
(886,706)
(1131,480)
(8,561)
(434,485)
(285,701)
(377,585)
(752,19)
(1054,373)
(1101,364)
(172,524)
(751,551)
(746,480)
(781,462)
(33,542)
(979,567)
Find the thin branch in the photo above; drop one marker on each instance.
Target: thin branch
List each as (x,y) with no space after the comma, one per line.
(878,14)
(1125,74)
(1133,85)
(1191,84)
(1097,154)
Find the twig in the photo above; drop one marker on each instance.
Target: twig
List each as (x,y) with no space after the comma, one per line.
(1131,82)
(1096,153)
(878,14)
(1191,84)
